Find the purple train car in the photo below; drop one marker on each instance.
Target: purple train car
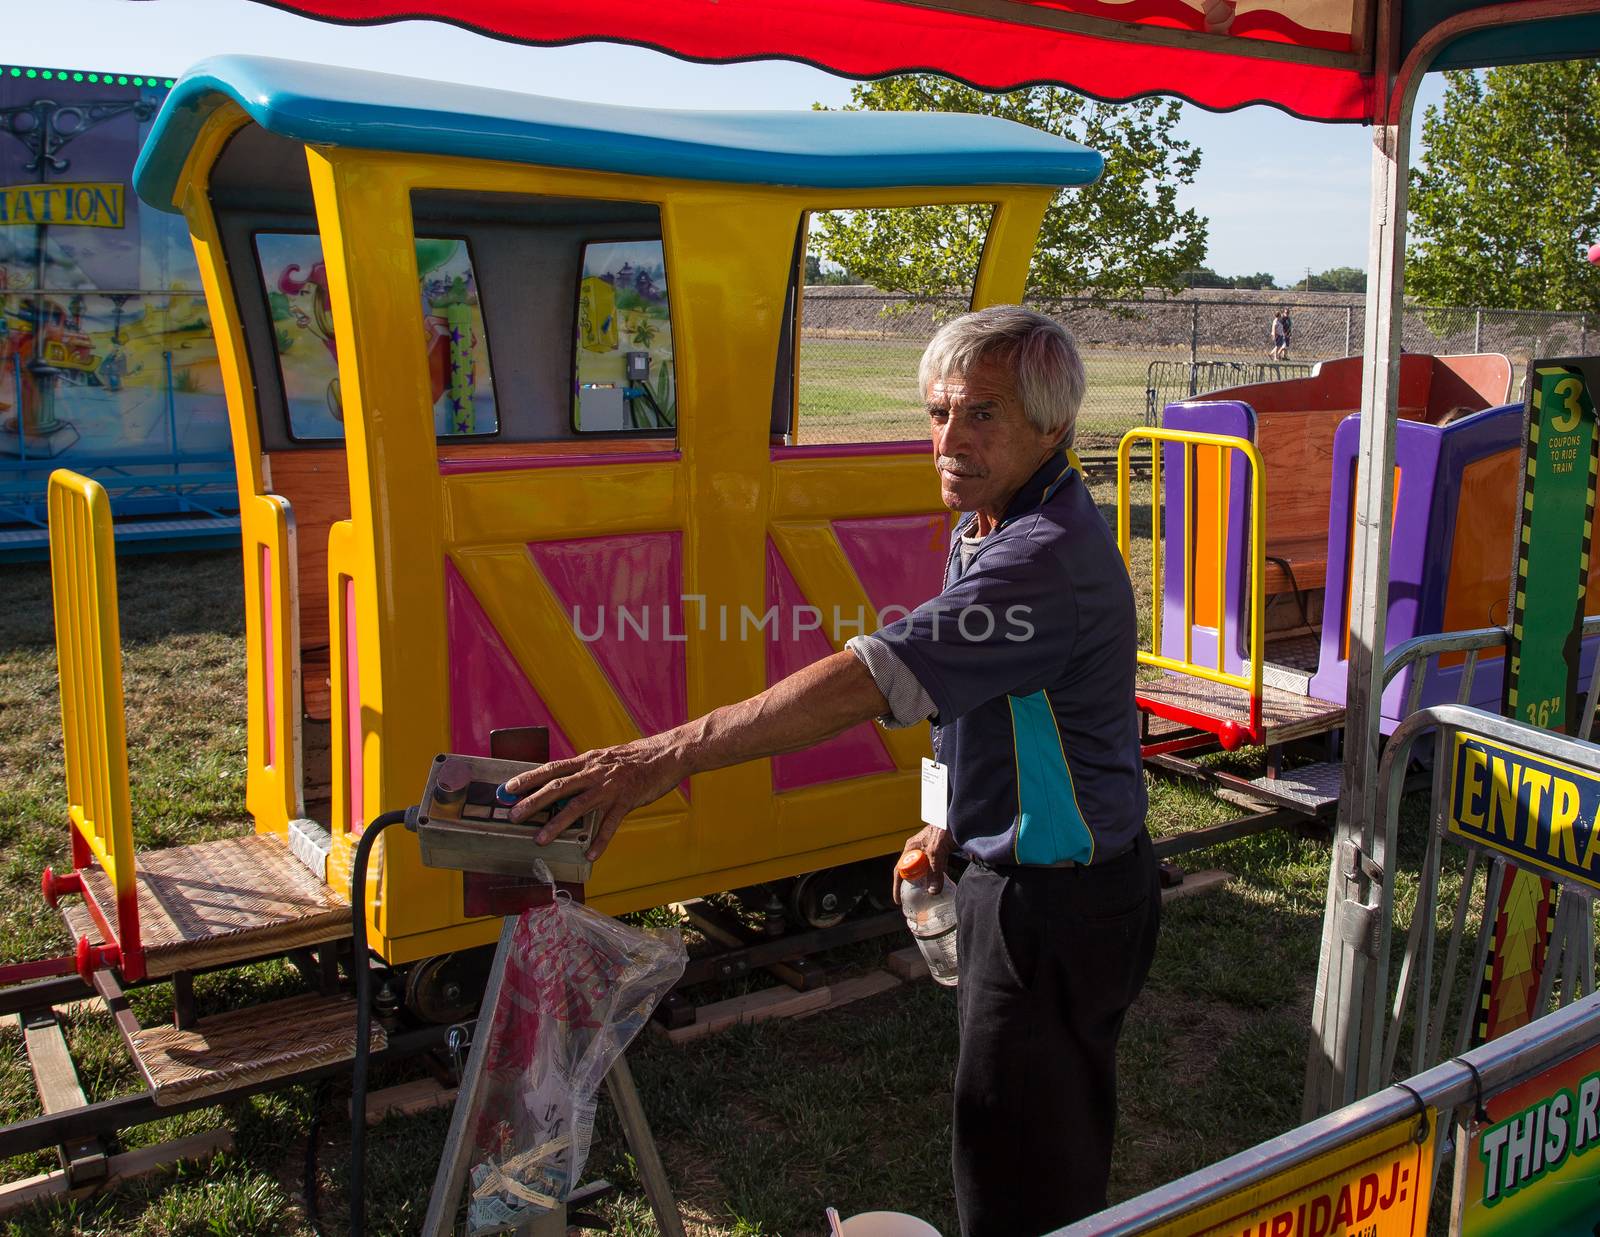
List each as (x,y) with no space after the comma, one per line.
(1451,557)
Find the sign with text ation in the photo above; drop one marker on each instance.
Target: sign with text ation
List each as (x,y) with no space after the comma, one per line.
(1375,1186)
(97,205)
(1534,810)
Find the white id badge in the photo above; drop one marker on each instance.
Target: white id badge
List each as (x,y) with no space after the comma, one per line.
(935,793)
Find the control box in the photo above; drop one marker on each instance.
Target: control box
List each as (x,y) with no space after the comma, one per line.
(463,824)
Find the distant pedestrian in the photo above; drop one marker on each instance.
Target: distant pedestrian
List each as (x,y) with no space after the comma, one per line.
(1281,331)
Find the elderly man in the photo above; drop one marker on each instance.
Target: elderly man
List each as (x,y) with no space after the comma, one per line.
(1025,663)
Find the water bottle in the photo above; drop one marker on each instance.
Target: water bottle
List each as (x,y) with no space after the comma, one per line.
(931,917)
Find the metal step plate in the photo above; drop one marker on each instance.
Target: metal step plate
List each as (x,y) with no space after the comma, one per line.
(1285,679)
(1309,788)
(310,842)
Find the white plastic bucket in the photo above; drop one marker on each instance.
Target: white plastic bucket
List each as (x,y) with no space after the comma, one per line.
(886,1224)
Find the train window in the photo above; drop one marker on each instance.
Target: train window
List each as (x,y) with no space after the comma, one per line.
(622,350)
(457,347)
(855,365)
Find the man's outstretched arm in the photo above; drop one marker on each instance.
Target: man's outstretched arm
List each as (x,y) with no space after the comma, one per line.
(811,705)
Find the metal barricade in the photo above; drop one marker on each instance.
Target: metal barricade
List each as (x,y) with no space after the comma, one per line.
(93,729)
(1458,1085)
(1167,382)
(1364,1029)
(1420,652)
(1572,935)
(1347,998)
(1164,382)
(1412,1025)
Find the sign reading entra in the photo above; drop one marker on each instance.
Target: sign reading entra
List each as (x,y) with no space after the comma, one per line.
(1537,811)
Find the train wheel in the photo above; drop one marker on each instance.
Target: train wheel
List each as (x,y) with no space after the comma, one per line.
(822,899)
(448,988)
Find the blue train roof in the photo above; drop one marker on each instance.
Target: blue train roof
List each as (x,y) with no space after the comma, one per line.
(379,111)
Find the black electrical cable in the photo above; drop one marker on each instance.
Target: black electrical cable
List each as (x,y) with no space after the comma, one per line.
(1299,595)
(663,421)
(319,1104)
(363,972)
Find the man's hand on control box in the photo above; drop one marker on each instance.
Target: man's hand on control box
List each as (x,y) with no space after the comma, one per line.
(811,705)
(614,780)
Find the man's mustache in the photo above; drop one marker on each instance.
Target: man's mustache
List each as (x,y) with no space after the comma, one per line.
(957,467)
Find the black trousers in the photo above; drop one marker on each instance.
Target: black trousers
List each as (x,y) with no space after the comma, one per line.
(1050,960)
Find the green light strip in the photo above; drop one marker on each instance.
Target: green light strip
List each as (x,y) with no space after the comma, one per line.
(77,75)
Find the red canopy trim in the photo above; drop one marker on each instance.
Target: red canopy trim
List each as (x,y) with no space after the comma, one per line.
(1329,24)
(1105,48)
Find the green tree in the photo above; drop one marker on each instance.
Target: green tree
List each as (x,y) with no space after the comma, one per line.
(1110,239)
(1505,200)
(815,274)
(1254,282)
(1205,277)
(1339,279)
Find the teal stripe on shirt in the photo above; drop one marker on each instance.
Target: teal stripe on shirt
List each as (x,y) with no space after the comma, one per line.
(1049,825)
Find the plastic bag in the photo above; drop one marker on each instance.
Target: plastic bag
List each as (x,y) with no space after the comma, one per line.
(578,986)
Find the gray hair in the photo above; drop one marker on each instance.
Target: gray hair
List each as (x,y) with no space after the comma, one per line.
(1041,352)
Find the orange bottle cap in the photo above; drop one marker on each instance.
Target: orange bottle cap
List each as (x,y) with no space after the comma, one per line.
(913,866)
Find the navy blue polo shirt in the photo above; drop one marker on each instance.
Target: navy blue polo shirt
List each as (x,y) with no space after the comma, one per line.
(1029,658)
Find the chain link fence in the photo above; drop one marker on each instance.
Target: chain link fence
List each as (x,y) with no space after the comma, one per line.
(859,349)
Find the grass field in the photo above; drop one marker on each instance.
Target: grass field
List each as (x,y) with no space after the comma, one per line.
(853,390)
(761,1127)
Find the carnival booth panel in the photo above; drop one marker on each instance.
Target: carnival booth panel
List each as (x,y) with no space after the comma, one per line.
(107,361)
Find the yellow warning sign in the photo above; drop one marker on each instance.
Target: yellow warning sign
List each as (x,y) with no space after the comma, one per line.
(1376,1186)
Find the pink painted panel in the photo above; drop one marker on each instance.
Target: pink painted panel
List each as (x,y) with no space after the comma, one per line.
(624,596)
(855,753)
(269,657)
(488,689)
(352,695)
(899,559)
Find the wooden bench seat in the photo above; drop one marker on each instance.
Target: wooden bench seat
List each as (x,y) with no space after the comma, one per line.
(1296,563)
(1295,423)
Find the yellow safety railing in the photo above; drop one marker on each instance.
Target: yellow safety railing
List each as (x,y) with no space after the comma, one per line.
(347,789)
(83,578)
(1191,441)
(273,792)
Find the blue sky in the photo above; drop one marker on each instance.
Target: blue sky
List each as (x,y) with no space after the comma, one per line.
(1281,194)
